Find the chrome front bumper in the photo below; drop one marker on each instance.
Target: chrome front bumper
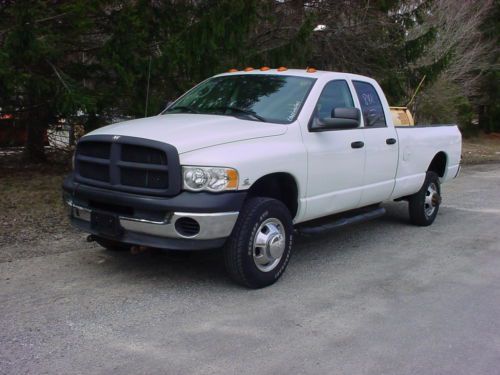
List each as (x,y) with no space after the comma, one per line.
(212,225)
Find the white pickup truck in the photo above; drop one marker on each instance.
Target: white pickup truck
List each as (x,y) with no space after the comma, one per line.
(246,158)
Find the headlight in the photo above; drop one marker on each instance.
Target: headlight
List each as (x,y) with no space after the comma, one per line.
(209,178)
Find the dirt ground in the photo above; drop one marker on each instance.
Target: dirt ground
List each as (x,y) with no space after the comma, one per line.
(483,149)
(31,207)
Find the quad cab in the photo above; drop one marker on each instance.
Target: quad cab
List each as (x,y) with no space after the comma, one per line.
(245,158)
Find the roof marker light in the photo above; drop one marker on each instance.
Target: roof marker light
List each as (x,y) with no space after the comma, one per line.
(232,70)
(248,69)
(265,68)
(311,70)
(282,69)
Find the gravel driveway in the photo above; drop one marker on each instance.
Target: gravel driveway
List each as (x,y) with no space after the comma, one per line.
(382,297)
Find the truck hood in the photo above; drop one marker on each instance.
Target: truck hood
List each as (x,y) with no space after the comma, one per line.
(188,132)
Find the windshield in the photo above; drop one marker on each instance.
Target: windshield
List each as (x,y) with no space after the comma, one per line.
(268,98)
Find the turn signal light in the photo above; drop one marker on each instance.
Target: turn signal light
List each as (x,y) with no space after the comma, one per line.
(248,69)
(232,179)
(282,69)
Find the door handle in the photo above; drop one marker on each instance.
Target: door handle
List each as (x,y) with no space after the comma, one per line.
(357,144)
(390,141)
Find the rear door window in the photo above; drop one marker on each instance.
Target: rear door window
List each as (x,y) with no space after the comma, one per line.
(371,106)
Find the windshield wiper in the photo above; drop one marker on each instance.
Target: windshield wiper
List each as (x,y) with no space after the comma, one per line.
(240,110)
(183,108)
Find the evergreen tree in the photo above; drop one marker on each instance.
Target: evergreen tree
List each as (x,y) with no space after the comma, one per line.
(111,59)
(40,78)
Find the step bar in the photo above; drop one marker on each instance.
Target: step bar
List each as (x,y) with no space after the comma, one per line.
(324,225)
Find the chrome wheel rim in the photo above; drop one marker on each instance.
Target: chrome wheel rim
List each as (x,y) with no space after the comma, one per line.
(269,244)
(431,199)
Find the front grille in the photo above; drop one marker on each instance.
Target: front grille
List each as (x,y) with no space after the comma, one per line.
(128,164)
(94,171)
(140,154)
(144,178)
(101,150)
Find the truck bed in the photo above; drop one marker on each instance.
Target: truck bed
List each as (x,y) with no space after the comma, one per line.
(417,147)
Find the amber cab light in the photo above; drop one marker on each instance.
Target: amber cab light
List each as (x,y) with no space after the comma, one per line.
(248,69)
(282,69)
(311,70)
(232,70)
(265,68)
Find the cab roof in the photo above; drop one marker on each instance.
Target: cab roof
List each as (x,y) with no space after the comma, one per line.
(299,73)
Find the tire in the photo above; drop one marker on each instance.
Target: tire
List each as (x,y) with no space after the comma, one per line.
(111,245)
(424,205)
(266,222)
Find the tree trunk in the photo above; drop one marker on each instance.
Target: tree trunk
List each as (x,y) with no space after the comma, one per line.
(298,8)
(92,122)
(36,129)
(71,137)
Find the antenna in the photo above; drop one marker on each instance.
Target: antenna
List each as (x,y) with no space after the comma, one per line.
(147,88)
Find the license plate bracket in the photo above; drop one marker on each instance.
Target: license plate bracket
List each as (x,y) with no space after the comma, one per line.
(105,224)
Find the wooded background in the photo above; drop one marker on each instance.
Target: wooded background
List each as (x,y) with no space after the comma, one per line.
(92,61)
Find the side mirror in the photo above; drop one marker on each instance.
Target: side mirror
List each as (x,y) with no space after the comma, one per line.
(342,118)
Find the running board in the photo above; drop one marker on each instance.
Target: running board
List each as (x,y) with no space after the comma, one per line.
(353,217)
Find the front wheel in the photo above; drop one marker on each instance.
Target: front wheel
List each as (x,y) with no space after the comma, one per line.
(424,205)
(258,251)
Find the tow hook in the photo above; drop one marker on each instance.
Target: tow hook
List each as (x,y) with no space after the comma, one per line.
(90,238)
